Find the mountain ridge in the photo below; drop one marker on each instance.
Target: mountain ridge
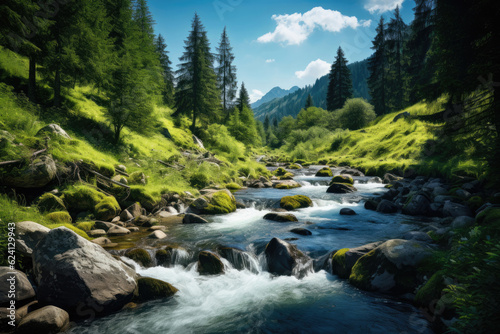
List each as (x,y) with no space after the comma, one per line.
(274,93)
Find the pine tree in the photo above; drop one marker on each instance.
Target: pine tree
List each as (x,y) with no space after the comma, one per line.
(275,122)
(340,85)
(377,65)
(226,73)
(420,67)
(396,36)
(197,94)
(267,122)
(166,69)
(243,99)
(309,102)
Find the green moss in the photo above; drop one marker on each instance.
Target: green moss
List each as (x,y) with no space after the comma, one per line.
(137,178)
(431,290)
(286,176)
(233,186)
(338,263)
(475,202)
(287,186)
(49,202)
(86,226)
(360,273)
(82,198)
(489,216)
(342,179)
(294,166)
(60,217)
(140,256)
(221,203)
(140,195)
(295,202)
(72,228)
(107,209)
(151,289)
(280,171)
(324,172)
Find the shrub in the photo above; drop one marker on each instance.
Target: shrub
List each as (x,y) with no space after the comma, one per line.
(356,114)
(60,217)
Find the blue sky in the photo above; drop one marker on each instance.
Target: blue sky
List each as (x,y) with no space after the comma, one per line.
(278,42)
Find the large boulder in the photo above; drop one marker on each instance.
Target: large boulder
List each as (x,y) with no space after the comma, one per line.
(286,260)
(53,129)
(49,202)
(85,198)
(281,217)
(37,174)
(347,212)
(341,188)
(209,264)
(324,172)
(451,209)
(28,234)
(151,289)
(418,205)
(190,218)
(140,256)
(295,202)
(344,259)
(392,267)
(72,273)
(386,206)
(14,281)
(47,320)
(347,179)
(216,202)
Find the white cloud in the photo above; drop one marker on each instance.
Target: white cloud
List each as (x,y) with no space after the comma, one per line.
(382,6)
(314,70)
(293,29)
(270,60)
(255,95)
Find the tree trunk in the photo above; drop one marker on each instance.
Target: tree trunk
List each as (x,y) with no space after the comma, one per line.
(32,80)
(193,126)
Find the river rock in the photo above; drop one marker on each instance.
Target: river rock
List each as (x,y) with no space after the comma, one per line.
(214,202)
(344,259)
(286,260)
(417,236)
(281,217)
(157,235)
(238,258)
(371,204)
(386,206)
(286,184)
(347,179)
(37,174)
(118,230)
(72,272)
(96,233)
(341,188)
(151,289)
(47,320)
(462,221)
(352,172)
(104,242)
(392,267)
(451,209)
(28,234)
(126,216)
(295,202)
(53,129)
(388,178)
(135,210)
(419,205)
(209,264)
(324,172)
(301,231)
(18,282)
(190,218)
(347,212)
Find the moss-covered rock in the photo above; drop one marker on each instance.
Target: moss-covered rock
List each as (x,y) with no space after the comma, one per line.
(339,263)
(286,259)
(280,171)
(392,267)
(341,188)
(140,256)
(86,226)
(233,186)
(347,179)
(217,202)
(139,195)
(324,172)
(49,202)
(151,289)
(286,184)
(286,176)
(489,217)
(431,290)
(37,174)
(475,202)
(281,217)
(107,209)
(295,202)
(137,178)
(209,264)
(295,166)
(59,217)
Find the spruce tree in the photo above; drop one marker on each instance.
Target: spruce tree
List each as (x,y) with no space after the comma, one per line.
(197,94)
(267,122)
(396,38)
(377,65)
(226,73)
(166,71)
(309,102)
(243,99)
(340,85)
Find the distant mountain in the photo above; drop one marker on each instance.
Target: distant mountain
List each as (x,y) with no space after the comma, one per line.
(274,93)
(292,103)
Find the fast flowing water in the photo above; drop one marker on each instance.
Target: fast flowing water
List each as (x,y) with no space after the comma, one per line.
(254,301)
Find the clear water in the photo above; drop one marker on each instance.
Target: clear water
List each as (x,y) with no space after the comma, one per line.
(253,301)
